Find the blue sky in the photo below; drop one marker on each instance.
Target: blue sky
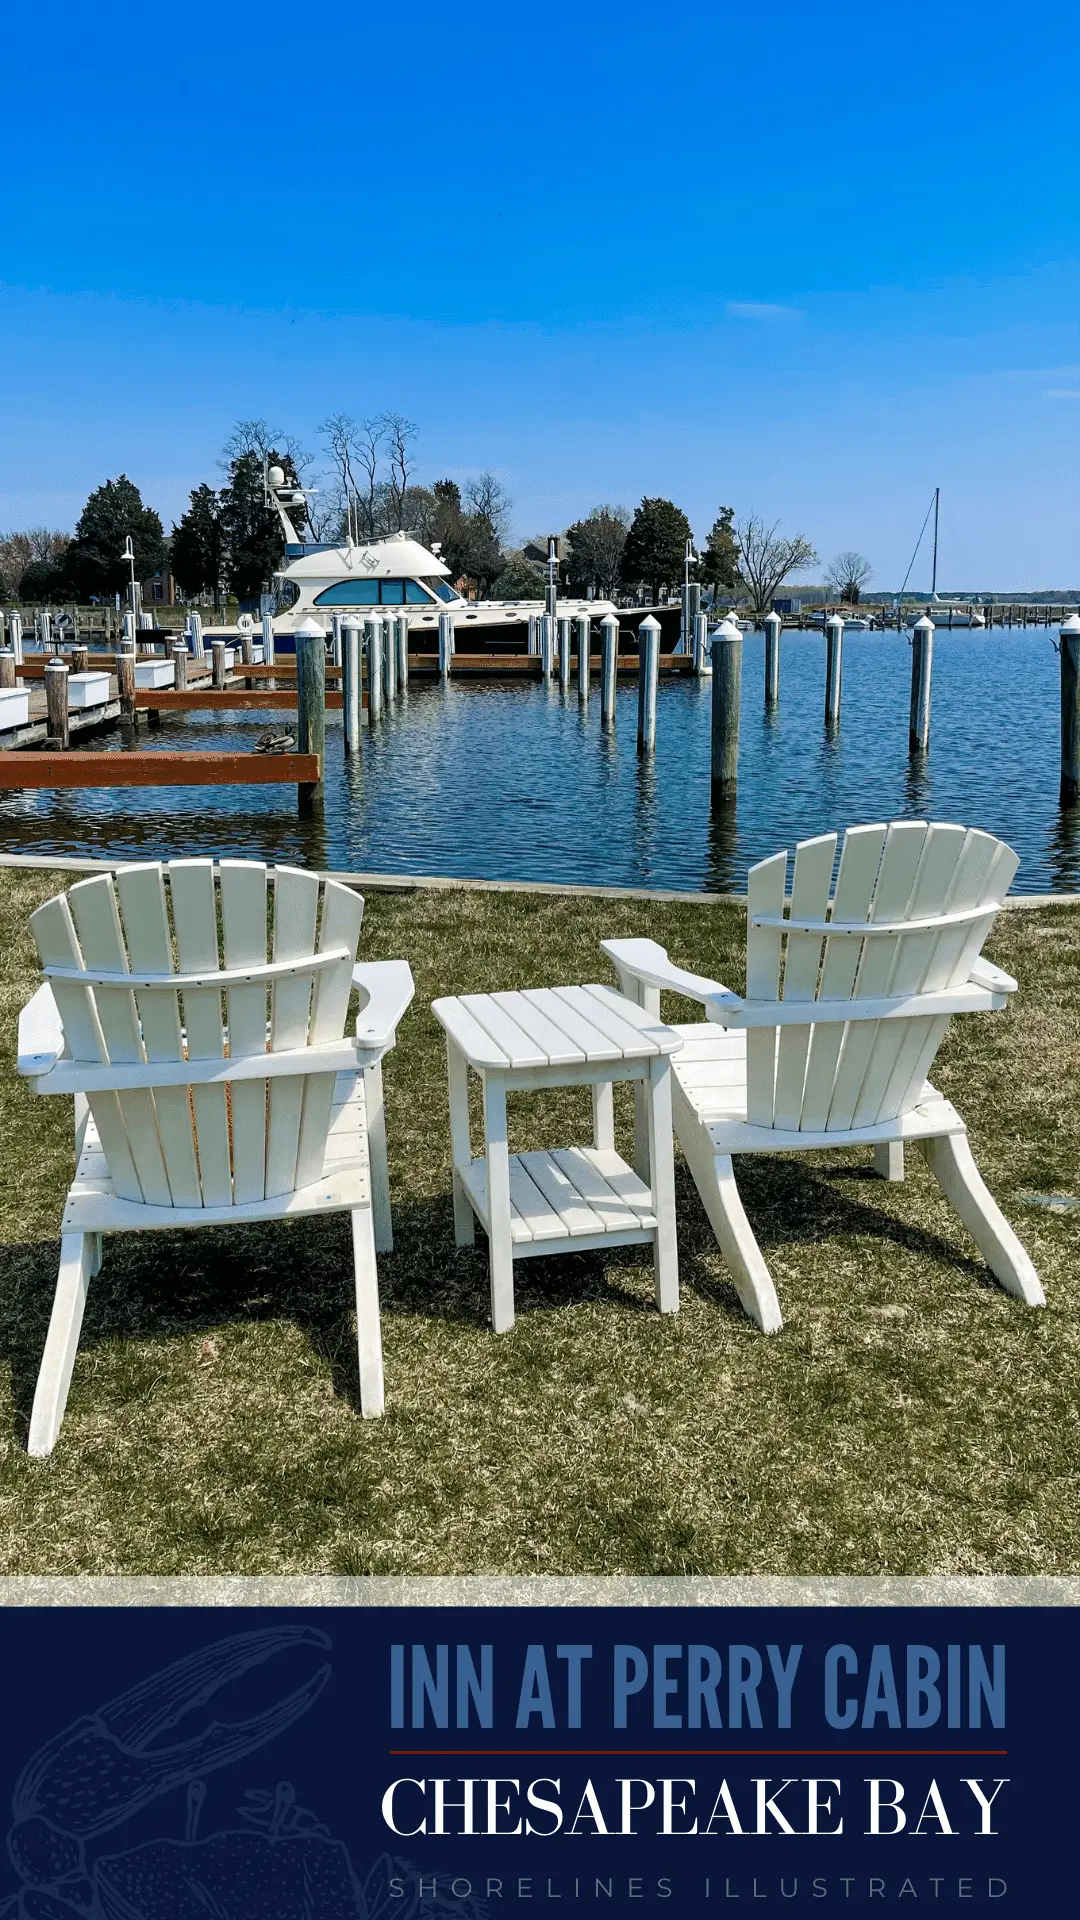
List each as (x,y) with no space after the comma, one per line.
(808,260)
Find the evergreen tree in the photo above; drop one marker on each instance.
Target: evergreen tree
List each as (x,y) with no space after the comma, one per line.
(198,546)
(518,580)
(720,561)
(43,582)
(93,564)
(655,545)
(252,533)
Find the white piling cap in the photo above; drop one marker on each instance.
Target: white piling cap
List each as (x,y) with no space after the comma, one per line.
(773,619)
(1072,624)
(835,620)
(727,630)
(312,627)
(925,625)
(651,622)
(612,620)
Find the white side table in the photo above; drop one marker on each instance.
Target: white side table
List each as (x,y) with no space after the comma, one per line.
(576,1197)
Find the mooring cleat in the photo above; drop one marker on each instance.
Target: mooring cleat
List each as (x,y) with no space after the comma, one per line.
(98,1772)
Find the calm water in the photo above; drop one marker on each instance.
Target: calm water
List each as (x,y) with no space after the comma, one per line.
(501,781)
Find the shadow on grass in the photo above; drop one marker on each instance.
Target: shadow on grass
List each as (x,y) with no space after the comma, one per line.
(176,1285)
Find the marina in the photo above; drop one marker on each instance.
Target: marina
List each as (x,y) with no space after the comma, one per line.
(516,779)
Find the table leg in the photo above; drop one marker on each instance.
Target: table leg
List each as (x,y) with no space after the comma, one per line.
(500,1245)
(649,999)
(457,1073)
(603,1114)
(662,1184)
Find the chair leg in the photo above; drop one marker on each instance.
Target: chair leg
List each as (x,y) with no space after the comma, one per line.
(62,1343)
(380,1172)
(368,1326)
(662,1187)
(950,1160)
(889,1160)
(715,1181)
(460,1148)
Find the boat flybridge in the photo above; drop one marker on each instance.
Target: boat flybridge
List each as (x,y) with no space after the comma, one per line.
(396,573)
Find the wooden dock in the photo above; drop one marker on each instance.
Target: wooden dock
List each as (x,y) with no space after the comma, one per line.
(153,769)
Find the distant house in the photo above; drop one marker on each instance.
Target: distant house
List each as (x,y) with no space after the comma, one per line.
(787,606)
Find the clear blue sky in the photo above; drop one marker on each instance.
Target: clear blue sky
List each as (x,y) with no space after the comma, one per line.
(809,259)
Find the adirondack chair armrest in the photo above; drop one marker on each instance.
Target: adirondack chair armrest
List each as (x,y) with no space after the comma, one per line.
(994,979)
(41,1034)
(647,961)
(386,989)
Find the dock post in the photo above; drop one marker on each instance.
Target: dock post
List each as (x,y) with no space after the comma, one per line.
(127,632)
(310,705)
(15,630)
(198,646)
(446,644)
(179,660)
(648,674)
(350,684)
(269,650)
(80,659)
(834,656)
(401,642)
(534,633)
(373,646)
(1069,650)
(701,642)
(547,644)
(44,625)
(218,652)
(125,685)
(390,656)
(584,642)
(726,691)
(564,654)
(609,667)
(773,626)
(336,624)
(691,609)
(7,667)
(56,702)
(922,661)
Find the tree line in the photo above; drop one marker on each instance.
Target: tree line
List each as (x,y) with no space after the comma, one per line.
(229,541)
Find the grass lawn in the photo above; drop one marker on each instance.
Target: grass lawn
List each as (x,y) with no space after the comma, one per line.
(910,1418)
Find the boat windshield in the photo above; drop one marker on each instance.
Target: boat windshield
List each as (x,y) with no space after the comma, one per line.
(442,588)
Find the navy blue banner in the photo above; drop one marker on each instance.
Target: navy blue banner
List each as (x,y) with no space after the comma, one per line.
(388,1764)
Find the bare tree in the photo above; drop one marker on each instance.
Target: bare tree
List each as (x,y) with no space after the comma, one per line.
(487,497)
(339,433)
(596,549)
(397,432)
(847,576)
(765,559)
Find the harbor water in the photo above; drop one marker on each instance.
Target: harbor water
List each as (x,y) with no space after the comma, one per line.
(506,780)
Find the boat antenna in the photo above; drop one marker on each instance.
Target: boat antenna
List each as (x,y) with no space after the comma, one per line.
(930,510)
(933,582)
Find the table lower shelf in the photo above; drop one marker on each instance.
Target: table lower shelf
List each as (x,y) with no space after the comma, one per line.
(567,1201)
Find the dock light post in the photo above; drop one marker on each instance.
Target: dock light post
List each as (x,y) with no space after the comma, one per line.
(552,579)
(691,599)
(1069,650)
(922,662)
(773,625)
(129,555)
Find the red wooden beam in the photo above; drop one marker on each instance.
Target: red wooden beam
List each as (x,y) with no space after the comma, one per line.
(135,769)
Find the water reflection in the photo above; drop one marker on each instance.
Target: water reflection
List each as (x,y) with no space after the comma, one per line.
(725,872)
(1064,851)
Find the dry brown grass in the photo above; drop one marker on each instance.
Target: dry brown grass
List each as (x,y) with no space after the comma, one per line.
(910,1417)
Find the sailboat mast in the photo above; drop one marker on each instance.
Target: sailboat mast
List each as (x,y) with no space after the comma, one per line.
(937,503)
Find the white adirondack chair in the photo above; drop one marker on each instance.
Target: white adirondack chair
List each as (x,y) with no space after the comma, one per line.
(847,1001)
(211,1086)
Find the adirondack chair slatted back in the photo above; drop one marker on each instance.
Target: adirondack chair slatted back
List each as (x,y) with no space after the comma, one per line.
(831,1077)
(218,1145)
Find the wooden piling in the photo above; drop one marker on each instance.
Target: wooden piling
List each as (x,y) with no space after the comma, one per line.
(834,655)
(726,692)
(446,644)
(648,674)
(609,664)
(564,654)
(198,647)
(80,659)
(56,702)
(401,641)
(922,661)
(584,642)
(373,649)
(773,626)
(218,671)
(125,684)
(1069,650)
(310,708)
(350,661)
(179,656)
(7,666)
